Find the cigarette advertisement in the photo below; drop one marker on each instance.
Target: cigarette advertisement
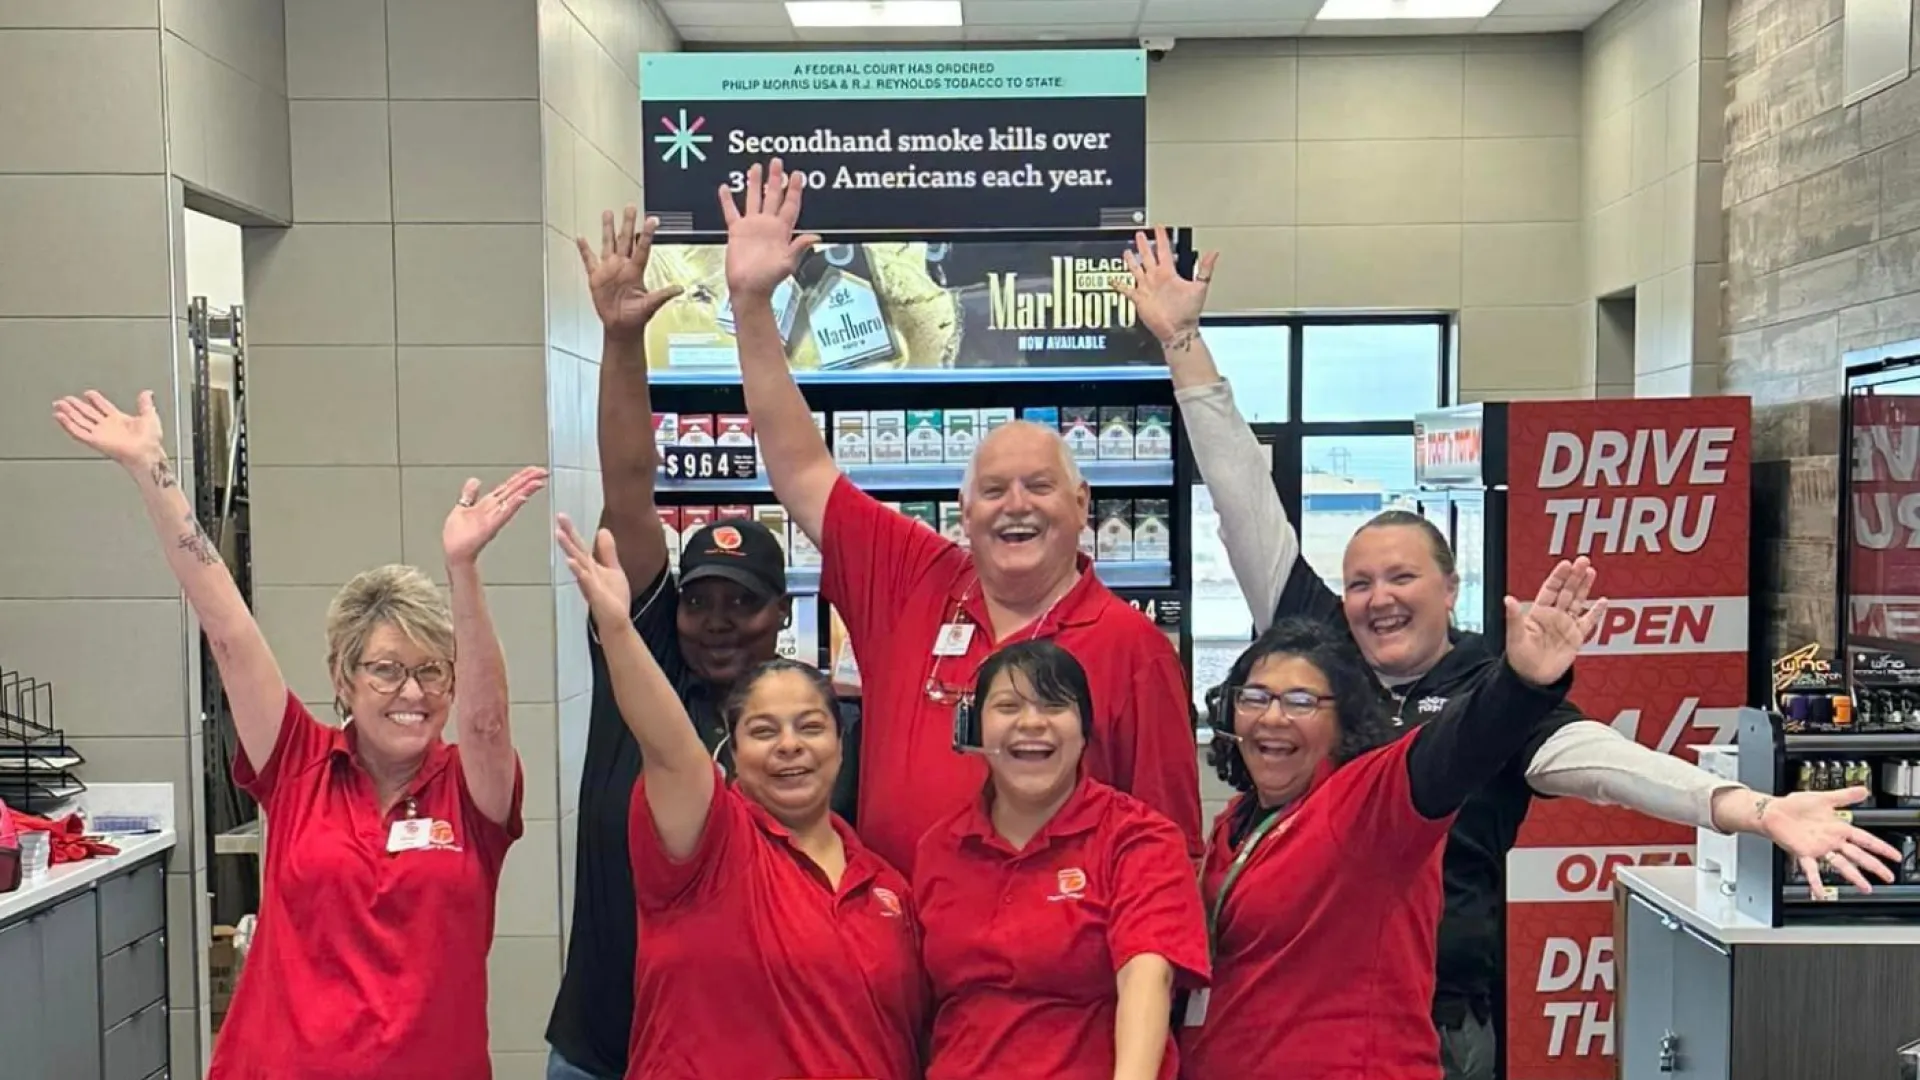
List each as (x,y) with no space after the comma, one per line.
(1656,492)
(885,307)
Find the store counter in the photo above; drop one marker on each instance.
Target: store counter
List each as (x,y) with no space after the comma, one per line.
(1706,992)
(83,962)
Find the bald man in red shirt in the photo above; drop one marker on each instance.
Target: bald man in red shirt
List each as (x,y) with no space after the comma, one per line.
(923,612)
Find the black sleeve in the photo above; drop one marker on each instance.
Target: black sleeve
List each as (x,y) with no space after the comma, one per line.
(1306,595)
(1478,732)
(654,614)
(846,789)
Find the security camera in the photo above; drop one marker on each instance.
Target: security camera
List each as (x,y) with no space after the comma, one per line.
(1157,46)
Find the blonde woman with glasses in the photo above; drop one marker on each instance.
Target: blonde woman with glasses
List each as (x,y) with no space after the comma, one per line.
(378,905)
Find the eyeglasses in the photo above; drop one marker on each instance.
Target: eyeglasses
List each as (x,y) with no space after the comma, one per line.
(1252,702)
(388,676)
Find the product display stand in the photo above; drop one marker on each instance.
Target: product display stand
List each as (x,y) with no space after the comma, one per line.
(36,762)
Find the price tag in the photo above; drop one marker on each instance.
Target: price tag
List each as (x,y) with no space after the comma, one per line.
(695,463)
(1163,608)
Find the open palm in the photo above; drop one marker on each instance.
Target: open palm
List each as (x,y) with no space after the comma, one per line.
(1165,302)
(475,521)
(133,440)
(761,248)
(1544,638)
(601,580)
(617,277)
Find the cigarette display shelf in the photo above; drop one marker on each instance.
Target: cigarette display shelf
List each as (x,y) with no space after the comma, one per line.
(943,479)
(1851,742)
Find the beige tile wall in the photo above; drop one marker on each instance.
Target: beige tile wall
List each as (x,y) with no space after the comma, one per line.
(226,79)
(1437,174)
(1655,75)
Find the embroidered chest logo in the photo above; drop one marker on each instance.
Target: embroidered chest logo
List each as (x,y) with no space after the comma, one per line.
(1430,705)
(888,901)
(1072,883)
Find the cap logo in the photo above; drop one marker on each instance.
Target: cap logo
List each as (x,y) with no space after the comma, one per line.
(727,538)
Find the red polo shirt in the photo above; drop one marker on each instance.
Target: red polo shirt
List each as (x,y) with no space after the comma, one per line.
(1325,959)
(1022,946)
(367,964)
(753,967)
(895,582)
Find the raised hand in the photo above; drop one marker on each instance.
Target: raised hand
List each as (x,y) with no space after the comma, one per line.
(601,580)
(1168,305)
(474,521)
(761,248)
(1544,639)
(1808,826)
(132,440)
(617,276)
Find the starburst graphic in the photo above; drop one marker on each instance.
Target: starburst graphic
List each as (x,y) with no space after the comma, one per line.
(683,139)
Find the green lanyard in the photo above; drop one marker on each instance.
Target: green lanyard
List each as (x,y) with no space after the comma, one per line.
(1260,832)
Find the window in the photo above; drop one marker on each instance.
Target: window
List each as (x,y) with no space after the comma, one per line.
(1333,401)
(1370,371)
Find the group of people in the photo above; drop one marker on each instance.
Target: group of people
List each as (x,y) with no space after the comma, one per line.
(995,865)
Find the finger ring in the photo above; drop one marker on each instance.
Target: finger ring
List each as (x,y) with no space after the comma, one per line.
(464,501)
(1202,277)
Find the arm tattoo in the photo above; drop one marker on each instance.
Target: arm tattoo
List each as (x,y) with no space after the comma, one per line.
(197,543)
(162,474)
(1760,807)
(1181,341)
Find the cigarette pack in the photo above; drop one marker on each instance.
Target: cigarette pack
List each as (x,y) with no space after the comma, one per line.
(666,429)
(1115,541)
(887,437)
(993,418)
(800,549)
(926,445)
(1088,547)
(1116,433)
(951,525)
(925,513)
(962,427)
(670,524)
(733,429)
(696,429)
(733,512)
(1078,425)
(692,520)
(850,445)
(820,425)
(1152,538)
(1044,415)
(1153,433)
(775,519)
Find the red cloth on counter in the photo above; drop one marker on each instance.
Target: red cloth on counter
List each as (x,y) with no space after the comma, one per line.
(67,839)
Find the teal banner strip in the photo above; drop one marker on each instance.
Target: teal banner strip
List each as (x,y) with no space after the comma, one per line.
(853,76)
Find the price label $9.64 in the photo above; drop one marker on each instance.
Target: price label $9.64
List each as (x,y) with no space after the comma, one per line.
(695,463)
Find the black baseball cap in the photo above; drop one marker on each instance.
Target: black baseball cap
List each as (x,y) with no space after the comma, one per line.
(740,550)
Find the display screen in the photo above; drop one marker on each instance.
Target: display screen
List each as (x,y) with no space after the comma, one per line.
(888,307)
(1883,563)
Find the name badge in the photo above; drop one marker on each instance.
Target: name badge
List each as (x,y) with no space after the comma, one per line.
(1196,1009)
(410,834)
(953,640)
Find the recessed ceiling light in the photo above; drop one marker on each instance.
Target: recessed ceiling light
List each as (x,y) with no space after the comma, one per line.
(852,13)
(1406,9)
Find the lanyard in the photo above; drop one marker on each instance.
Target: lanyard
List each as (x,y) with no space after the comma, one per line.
(1259,833)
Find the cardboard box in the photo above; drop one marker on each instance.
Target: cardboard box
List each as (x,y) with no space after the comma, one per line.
(952,526)
(696,429)
(962,429)
(926,443)
(733,429)
(1116,433)
(1044,415)
(1152,535)
(925,513)
(775,519)
(1114,540)
(887,437)
(1153,433)
(850,439)
(993,418)
(1079,426)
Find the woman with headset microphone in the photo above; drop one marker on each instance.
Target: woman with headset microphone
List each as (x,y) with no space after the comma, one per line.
(1059,913)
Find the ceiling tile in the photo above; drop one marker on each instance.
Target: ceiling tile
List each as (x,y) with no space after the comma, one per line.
(737,35)
(1077,32)
(1243,29)
(1591,8)
(1390,27)
(1534,24)
(726,13)
(1050,12)
(876,35)
(1219,11)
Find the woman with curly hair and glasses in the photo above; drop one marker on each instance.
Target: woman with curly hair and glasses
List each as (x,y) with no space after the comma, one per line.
(1322,879)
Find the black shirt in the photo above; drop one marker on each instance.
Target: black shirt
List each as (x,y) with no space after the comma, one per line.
(593,1015)
(1474,868)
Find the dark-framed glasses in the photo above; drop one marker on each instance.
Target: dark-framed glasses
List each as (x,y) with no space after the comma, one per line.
(388,676)
(1252,702)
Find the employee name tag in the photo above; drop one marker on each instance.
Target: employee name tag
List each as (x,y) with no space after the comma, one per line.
(1196,1008)
(410,834)
(954,639)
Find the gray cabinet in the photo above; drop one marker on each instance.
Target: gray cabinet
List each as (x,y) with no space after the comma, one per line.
(84,990)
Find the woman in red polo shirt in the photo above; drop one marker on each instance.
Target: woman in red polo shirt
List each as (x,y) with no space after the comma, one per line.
(1059,912)
(774,945)
(1322,880)
(384,843)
